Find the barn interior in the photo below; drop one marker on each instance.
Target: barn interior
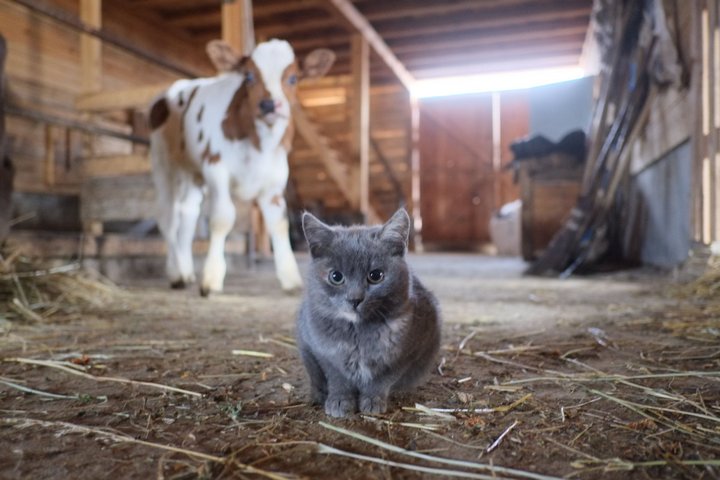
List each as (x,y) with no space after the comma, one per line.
(559,160)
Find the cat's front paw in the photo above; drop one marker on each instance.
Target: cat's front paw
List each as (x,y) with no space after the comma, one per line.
(340,406)
(373,404)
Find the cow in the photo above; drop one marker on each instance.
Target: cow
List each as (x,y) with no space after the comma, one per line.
(226,136)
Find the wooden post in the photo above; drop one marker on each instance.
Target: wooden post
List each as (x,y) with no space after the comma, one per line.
(91,47)
(49,155)
(91,80)
(712,140)
(239,33)
(696,94)
(496,151)
(415,171)
(237,25)
(360,123)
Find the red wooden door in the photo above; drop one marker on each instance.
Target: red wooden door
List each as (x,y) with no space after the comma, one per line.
(460,188)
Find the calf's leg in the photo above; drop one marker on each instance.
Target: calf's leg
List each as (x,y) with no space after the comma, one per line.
(222,219)
(189,211)
(274,212)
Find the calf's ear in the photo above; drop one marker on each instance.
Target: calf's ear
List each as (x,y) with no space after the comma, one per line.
(223,56)
(317,63)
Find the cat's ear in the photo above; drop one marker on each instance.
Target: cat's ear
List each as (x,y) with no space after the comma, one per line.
(395,232)
(318,235)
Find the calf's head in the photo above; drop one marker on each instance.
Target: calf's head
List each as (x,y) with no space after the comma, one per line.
(270,75)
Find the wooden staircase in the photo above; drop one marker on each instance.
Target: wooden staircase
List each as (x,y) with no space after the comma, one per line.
(322,169)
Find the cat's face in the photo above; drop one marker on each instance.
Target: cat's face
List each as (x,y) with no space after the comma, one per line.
(359,272)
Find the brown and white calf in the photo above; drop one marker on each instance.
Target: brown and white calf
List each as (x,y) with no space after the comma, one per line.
(228,135)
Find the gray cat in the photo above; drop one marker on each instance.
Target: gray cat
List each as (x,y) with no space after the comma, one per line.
(366,326)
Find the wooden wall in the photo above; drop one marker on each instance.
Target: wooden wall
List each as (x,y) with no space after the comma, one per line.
(43,74)
(462,181)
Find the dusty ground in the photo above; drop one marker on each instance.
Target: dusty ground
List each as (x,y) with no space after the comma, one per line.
(601,377)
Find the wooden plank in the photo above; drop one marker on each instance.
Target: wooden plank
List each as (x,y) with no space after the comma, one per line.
(712,139)
(64,245)
(669,124)
(237,25)
(698,155)
(128,198)
(414,160)
(493,39)
(182,12)
(360,121)
(360,23)
(121,99)
(413,8)
(91,47)
(91,80)
(133,164)
(50,155)
(577,10)
(500,66)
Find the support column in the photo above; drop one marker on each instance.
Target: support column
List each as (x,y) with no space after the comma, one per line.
(238,31)
(237,25)
(415,171)
(360,123)
(91,80)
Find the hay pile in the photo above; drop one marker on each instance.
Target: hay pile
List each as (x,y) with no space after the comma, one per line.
(33,290)
(707,286)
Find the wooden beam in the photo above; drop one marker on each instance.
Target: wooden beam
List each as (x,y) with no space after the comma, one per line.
(134,164)
(360,121)
(237,25)
(50,155)
(536,52)
(90,47)
(414,161)
(412,8)
(90,82)
(182,11)
(540,14)
(713,196)
(487,33)
(696,93)
(136,97)
(502,66)
(360,23)
(491,40)
(265,9)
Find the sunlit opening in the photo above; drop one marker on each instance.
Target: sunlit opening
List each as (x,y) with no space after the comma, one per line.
(495,82)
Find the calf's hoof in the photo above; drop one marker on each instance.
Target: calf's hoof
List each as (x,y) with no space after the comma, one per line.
(178,284)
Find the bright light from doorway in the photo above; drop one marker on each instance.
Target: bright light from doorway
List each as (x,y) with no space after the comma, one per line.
(495,82)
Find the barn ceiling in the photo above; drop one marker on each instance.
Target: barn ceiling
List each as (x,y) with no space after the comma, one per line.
(431,38)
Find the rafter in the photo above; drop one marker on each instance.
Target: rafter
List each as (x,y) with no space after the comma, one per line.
(360,23)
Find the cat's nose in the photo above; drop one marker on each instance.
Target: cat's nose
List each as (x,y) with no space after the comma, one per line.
(355,302)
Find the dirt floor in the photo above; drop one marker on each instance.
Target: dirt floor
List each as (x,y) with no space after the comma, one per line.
(609,376)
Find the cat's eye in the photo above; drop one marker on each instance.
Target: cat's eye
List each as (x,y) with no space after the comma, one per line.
(376,276)
(336,278)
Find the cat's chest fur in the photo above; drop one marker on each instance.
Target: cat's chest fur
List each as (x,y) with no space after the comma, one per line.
(369,350)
